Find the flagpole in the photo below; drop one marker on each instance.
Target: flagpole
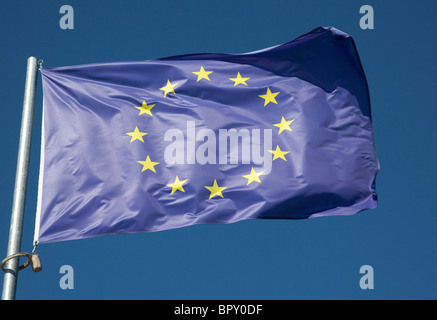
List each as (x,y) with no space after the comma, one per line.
(17,216)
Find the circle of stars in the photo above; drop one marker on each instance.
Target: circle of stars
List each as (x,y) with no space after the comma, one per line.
(215,190)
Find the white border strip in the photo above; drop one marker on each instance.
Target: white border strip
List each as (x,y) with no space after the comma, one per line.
(40,182)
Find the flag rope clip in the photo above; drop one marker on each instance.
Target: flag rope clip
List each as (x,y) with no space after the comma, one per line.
(32,259)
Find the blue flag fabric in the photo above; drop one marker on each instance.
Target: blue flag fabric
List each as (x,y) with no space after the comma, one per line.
(280,133)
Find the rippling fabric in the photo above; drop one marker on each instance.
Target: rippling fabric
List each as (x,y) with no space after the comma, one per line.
(280,133)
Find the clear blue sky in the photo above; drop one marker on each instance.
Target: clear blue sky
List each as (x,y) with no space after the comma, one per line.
(260,259)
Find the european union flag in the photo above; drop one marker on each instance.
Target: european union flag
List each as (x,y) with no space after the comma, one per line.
(280,133)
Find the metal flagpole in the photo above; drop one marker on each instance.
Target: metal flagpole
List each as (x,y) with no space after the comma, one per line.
(11,267)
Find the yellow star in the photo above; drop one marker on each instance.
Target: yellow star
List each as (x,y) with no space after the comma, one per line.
(136,135)
(278,153)
(169,88)
(253,176)
(215,190)
(202,74)
(269,97)
(239,80)
(177,185)
(148,164)
(284,125)
(145,108)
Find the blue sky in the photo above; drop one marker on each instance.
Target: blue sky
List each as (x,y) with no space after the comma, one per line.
(258,259)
